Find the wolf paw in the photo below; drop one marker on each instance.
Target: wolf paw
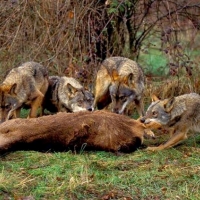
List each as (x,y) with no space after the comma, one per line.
(154,148)
(149,134)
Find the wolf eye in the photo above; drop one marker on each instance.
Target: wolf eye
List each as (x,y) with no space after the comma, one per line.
(89,100)
(122,98)
(155,114)
(7,106)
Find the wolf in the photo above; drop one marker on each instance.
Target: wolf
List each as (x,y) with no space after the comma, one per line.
(23,85)
(66,94)
(119,81)
(178,115)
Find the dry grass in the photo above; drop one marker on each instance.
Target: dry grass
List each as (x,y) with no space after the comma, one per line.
(53,33)
(69,37)
(165,87)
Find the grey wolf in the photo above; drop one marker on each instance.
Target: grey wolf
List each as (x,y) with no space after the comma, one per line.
(98,130)
(178,115)
(68,95)
(23,85)
(119,81)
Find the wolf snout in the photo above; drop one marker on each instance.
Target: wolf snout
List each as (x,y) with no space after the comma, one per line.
(145,120)
(142,120)
(116,111)
(90,109)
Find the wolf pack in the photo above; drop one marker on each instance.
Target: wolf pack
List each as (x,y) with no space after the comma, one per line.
(119,84)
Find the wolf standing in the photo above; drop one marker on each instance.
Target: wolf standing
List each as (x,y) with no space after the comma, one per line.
(176,114)
(24,85)
(120,81)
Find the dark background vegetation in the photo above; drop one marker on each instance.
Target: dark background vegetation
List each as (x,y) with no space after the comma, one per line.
(73,37)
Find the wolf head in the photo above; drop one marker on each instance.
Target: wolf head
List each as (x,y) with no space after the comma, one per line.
(162,112)
(122,92)
(7,100)
(81,100)
(77,99)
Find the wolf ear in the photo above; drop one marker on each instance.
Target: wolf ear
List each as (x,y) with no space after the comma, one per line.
(71,89)
(175,111)
(154,98)
(168,104)
(115,75)
(10,89)
(129,80)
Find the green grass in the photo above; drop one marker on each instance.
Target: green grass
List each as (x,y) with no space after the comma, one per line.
(154,63)
(168,174)
(171,174)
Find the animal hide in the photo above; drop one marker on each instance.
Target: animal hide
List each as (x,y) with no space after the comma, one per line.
(98,130)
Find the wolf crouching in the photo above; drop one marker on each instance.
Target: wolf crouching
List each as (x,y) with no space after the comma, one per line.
(178,115)
(119,81)
(66,94)
(23,85)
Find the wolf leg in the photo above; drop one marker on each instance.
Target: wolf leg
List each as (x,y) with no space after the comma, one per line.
(174,140)
(36,103)
(15,111)
(102,96)
(140,107)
